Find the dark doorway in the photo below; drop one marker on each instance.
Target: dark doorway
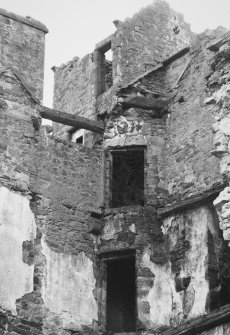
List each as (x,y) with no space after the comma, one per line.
(121,295)
(128,177)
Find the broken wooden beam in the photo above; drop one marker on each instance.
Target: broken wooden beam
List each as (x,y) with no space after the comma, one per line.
(144,102)
(202,323)
(175,56)
(73,120)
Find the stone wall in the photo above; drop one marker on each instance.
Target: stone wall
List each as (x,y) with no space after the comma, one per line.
(73,89)
(137,46)
(57,225)
(22,43)
(191,168)
(135,128)
(55,185)
(150,36)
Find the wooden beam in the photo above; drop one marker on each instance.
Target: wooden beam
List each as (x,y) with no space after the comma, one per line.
(71,120)
(144,102)
(176,55)
(201,324)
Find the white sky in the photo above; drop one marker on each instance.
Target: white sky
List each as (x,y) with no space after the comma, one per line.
(75,26)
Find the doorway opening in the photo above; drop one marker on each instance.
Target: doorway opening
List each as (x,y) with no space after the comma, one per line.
(121,295)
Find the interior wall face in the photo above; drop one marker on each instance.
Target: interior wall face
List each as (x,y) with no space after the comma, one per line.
(170,301)
(73,90)
(44,197)
(17,225)
(189,129)
(68,288)
(52,192)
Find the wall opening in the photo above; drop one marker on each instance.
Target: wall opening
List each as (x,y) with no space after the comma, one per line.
(103,78)
(121,294)
(108,70)
(127,178)
(77,136)
(79,140)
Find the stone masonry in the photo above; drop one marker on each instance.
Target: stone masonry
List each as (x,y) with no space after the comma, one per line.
(116,220)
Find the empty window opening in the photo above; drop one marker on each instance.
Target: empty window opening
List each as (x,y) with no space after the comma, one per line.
(77,135)
(103,67)
(121,295)
(127,178)
(108,70)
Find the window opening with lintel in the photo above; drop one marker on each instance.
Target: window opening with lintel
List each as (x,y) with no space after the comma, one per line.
(127,170)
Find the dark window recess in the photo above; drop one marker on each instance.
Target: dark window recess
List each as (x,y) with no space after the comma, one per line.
(79,140)
(121,295)
(128,178)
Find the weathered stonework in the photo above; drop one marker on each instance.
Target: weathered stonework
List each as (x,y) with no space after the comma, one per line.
(22,47)
(126,230)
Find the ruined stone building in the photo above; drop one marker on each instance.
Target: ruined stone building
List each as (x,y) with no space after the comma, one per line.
(118,219)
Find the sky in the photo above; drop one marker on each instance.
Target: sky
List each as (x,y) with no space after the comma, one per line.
(75,26)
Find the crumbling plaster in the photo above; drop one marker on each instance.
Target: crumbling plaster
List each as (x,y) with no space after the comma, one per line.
(68,287)
(169,306)
(66,184)
(17,225)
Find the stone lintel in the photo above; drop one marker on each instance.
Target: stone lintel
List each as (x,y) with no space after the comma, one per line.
(193,200)
(202,323)
(26,20)
(71,120)
(104,45)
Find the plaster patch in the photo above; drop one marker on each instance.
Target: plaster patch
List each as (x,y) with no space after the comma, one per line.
(167,224)
(132,228)
(163,298)
(191,301)
(195,263)
(224,125)
(67,289)
(222,205)
(225,165)
(110,230)
(17,225)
